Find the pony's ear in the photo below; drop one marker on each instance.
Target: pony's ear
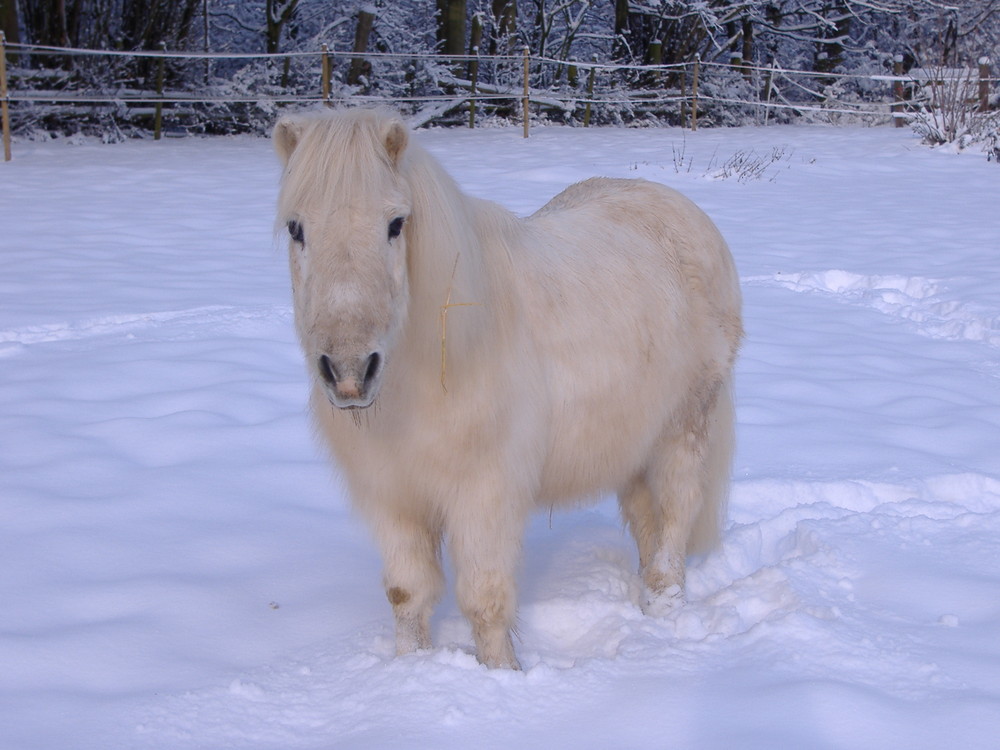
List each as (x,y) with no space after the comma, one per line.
(395,138)
(286,137)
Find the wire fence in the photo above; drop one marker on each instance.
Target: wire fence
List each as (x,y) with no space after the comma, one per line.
(159,85)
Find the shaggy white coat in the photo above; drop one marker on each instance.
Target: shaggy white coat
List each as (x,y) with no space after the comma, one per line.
(506,364)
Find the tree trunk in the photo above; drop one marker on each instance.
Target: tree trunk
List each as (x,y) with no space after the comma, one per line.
(48,21)
(636,26)
(186,22)
(831,54)
(542,27)
(452,24)
(747,43)
(273,27)
(620,46)
(475,40)
(9,22)
(45,21)
(949,46)
(359,66)
(505,18)
(441,30)
(278,13)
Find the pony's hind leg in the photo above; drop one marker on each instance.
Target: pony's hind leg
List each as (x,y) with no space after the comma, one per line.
(676,488)
(682,491)
(642,517)
(412,576)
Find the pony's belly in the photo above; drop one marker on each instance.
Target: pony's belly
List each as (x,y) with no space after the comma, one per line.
(595,449)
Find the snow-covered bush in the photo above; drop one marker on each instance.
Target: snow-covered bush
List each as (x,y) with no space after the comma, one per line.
(951,112)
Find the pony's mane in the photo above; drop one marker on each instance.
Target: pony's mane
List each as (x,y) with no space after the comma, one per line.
(451,235)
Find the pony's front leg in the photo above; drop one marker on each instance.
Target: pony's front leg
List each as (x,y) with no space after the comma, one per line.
(485,544)
(412,575)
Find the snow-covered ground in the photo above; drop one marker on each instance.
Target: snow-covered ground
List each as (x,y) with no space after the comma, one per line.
(179,567)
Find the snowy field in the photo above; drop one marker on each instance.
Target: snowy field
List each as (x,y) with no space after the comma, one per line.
(179,567)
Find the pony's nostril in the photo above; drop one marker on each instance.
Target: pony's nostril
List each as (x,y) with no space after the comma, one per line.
(327,370)
(374,363)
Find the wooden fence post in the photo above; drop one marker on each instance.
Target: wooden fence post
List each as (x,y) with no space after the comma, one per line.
(474,42)
(768,86)
(684,102)
(694,92)
(474,77)
(158,117)
(984,84)
(4,113)
(897,91)
(527,91)
(325,83)
(590,91)
(205,28)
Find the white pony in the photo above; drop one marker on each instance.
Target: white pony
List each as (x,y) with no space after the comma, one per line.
(505,364)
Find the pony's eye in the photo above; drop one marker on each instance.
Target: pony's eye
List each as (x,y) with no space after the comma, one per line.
(395,227)
(296,232)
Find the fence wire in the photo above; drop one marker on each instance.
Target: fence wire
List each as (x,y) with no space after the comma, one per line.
(766,82)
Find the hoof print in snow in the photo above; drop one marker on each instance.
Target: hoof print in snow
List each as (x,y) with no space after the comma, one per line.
(663,603)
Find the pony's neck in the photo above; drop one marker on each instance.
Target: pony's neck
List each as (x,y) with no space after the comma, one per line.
(457,270)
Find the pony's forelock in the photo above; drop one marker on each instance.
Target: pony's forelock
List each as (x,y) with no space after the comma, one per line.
(331,155)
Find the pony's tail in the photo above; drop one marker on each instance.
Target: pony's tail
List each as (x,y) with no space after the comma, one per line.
(707,530)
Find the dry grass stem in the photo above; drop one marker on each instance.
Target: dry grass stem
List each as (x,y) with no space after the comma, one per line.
(448,304)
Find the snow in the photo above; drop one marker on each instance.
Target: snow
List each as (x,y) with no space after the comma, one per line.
(180,568)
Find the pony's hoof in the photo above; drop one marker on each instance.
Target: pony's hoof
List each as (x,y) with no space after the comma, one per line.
(662,603)
(504,662)
(410,638)
(494,647)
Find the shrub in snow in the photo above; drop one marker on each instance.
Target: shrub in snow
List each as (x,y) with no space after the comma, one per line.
(951,112)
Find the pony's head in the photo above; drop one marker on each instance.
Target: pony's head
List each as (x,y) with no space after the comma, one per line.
(344,203)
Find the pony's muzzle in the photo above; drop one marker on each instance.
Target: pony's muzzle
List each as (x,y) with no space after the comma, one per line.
(350,383)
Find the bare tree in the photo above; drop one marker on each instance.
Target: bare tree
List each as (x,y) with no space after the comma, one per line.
(147,24)
(451,26)
(9,23)
(504,13)
(278,14)
(46,20)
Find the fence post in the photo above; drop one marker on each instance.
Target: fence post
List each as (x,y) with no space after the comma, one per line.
(205,34)
(474,77)
(768,85)
(694,92)
(590,91)
(684,102)
(325,83)
(475,40)
(984,84)
(527,92)
(897,91)
(158,118)
(4,113)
